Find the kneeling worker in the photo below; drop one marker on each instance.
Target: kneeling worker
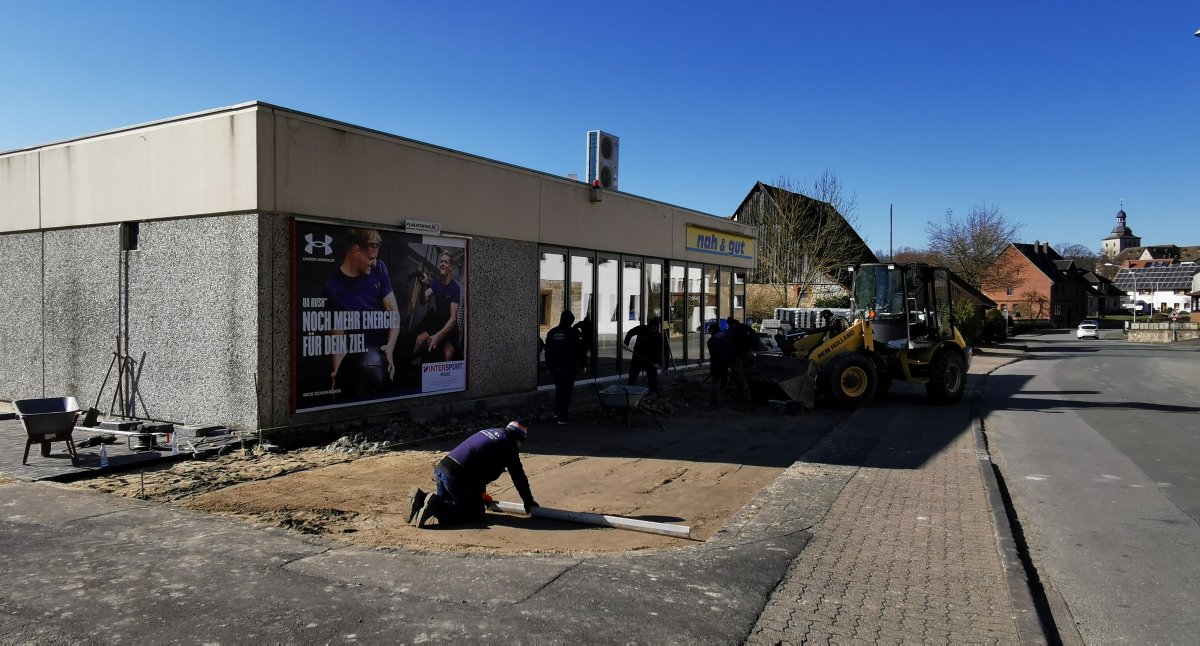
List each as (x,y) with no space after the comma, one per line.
(463,476)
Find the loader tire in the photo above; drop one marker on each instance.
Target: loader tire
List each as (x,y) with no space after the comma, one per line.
(947,378)
(850,380)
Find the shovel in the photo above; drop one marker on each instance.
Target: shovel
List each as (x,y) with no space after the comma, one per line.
(92,417)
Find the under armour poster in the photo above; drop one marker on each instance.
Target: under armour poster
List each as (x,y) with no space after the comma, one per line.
(379,314)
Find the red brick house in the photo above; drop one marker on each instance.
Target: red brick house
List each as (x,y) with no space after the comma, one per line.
(1044,286)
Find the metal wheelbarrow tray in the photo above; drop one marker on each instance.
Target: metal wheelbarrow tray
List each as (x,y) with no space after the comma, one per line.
(623,399)
(46,420)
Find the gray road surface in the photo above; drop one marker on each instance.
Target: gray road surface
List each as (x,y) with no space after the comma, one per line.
(1099,443)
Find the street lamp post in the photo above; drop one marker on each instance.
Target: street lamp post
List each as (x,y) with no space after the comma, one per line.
(1135,289)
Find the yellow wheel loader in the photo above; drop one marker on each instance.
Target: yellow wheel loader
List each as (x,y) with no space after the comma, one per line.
(899,328)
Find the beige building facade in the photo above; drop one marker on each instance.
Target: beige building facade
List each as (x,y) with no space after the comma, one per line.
(180,245)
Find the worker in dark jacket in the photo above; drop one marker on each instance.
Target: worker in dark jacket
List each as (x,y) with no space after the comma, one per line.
(563,347)
(463,476)
(647,352)
(721,350)
(742,356)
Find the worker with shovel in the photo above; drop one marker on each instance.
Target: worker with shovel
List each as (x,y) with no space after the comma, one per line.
(463,475)
(647,352)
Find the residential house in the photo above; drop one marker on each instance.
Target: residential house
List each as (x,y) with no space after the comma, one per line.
(827,242)
(1046,287)
(1161,288)
(1157,256)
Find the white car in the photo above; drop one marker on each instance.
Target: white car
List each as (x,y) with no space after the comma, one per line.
(1088,328)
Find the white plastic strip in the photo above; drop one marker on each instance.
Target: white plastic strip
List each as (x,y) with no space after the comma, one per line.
(678,531)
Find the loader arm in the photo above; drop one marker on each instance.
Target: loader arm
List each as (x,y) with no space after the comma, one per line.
(855,337)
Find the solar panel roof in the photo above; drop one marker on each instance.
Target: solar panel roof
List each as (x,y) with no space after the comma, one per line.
(1169,277)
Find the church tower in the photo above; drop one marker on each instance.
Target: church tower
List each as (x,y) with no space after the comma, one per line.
(1121,237)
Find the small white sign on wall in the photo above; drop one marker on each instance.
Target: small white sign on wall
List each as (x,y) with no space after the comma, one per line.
(422,226)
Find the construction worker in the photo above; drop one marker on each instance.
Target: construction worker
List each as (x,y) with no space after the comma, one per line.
(721,350)
(563,346)
(740,357)
(647,352)
(464,474)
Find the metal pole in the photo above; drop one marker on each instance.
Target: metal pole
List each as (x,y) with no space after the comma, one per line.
(1135,295)
(891,254)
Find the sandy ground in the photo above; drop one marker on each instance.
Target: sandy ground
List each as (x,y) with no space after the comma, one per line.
(695,467)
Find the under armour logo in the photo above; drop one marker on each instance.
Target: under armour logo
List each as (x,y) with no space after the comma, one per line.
(326,244)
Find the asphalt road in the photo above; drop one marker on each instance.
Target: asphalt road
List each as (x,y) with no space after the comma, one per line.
(1099,444)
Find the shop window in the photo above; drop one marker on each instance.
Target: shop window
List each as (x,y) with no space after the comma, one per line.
(677,314)
(654,291)
(609,307)
(724,293)
(696,313)
(739,296)
(552,274)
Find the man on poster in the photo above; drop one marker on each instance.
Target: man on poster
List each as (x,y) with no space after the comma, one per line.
(362,284)
(439,329)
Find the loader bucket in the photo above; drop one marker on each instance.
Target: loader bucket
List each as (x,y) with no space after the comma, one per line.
(786,378)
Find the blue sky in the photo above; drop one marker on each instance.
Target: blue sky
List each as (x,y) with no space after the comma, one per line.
(1051,111)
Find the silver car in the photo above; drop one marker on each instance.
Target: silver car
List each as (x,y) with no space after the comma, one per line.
(1088,328)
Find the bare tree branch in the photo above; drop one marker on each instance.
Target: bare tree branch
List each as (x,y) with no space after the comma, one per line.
(804,240)
(971,247)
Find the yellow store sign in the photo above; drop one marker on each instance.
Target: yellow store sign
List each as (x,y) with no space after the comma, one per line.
(719,243)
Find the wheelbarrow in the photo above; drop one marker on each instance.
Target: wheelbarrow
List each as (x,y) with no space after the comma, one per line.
(622,399)
(46,420)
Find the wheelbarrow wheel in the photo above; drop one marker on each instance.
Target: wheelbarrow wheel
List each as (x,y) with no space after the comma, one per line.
(45,449)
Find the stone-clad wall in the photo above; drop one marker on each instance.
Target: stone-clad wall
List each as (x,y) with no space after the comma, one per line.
(21,316)
(193,319)
(207,320)
(80,308)
(190,322)
(503,325)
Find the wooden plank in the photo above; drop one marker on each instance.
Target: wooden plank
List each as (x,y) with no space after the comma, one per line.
(677,531)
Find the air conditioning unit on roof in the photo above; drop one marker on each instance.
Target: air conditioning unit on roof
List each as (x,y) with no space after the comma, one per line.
(603,151)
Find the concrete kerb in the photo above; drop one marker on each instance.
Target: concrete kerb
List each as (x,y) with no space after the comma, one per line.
(1029,622)
(1054,618)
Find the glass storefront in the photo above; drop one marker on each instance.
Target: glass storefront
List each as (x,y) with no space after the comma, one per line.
(695,313)
(610,294)
(583,305)
(654,290)
(676,321)
(725,303)
(711,305)
(610,314)
(552,276)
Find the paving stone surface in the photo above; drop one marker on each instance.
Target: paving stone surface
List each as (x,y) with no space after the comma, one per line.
(908,550)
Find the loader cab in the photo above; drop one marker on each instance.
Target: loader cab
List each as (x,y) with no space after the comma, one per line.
(907,305)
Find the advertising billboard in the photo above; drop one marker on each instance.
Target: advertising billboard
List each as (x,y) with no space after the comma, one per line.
(378,314)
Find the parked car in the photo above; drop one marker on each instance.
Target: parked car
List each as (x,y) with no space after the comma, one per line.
(722,323)
(1088,328)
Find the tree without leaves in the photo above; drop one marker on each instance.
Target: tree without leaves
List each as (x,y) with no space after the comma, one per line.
(804,240)
(1084,257)
(910,254)
(971,247)
(1035,305)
